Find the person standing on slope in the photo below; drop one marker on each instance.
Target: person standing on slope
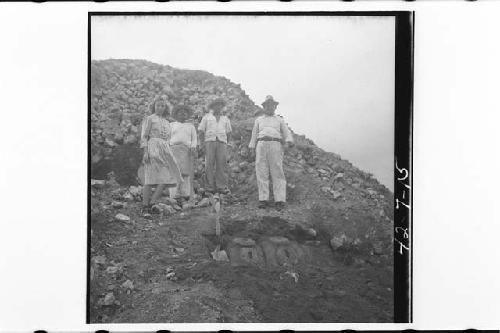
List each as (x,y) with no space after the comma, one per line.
(268,136)
(160,166)
(215,131)
(183,143)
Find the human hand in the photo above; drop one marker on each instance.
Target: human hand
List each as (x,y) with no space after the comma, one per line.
(193,151)
(252,153)
(145,157)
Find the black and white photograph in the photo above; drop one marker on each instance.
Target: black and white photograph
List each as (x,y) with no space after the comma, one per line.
(204,166)
(242,168)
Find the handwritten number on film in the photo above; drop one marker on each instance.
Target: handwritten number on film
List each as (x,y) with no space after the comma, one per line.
(402,236)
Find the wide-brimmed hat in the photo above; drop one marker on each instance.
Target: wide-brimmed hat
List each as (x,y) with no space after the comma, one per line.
(217,101)
(182,108)
(269,100)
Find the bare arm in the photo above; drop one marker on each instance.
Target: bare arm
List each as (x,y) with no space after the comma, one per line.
(253,139)
(229,130)
(194,137)
(285,132)
(201,130)
(145,132)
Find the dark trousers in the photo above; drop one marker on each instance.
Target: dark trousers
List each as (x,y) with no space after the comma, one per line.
(216,164)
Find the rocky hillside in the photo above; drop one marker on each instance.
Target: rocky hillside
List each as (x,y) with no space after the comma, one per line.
(349,205)
(121,91)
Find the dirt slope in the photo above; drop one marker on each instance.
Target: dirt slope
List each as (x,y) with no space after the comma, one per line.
(328,257)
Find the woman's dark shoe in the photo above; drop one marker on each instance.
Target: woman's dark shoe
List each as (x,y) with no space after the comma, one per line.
(146,212)
(263,204)
(179,200)
(280,205)
(155,209)
(224,190)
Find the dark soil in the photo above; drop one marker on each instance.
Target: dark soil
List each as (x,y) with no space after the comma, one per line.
(175,279)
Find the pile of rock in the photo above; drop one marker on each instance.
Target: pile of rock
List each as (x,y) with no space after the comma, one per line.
(121,91)
(117,198)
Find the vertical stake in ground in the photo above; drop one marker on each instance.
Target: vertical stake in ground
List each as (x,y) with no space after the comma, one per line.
(218,254)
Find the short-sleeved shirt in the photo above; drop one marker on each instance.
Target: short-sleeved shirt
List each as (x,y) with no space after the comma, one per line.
(215,130)
(183,133)
(271,127)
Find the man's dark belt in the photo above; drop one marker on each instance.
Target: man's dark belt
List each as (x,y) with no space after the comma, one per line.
(266,138)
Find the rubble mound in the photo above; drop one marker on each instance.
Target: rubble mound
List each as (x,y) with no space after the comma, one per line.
(348,207)
(121,91)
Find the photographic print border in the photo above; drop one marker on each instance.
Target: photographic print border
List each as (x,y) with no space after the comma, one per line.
(403,139)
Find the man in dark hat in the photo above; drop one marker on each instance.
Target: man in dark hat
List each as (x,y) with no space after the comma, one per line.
(183,143)
(268,135)
(215,130)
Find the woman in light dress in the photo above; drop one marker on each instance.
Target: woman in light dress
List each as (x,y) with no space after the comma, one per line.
(183,143)
(160,167)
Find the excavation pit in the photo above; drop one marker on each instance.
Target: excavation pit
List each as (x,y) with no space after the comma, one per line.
(270,242)
(268,252)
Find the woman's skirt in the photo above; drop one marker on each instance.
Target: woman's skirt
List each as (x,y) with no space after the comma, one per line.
(162,167)
(183,157)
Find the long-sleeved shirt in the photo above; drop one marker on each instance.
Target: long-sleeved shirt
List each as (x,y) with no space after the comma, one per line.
(215,130)
(272,127)
(183,133)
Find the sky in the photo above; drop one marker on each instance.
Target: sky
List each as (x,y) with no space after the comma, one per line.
(333,76)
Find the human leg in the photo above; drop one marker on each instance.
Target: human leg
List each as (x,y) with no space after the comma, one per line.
(221,165)
(146,195)
(210,164)
(158,192)
(185,187)
(146,199)
(275,158)
(262,170)
(173,192)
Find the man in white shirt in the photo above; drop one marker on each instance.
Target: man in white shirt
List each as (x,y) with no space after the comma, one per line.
(268,135)
(215,128)
(183,143)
